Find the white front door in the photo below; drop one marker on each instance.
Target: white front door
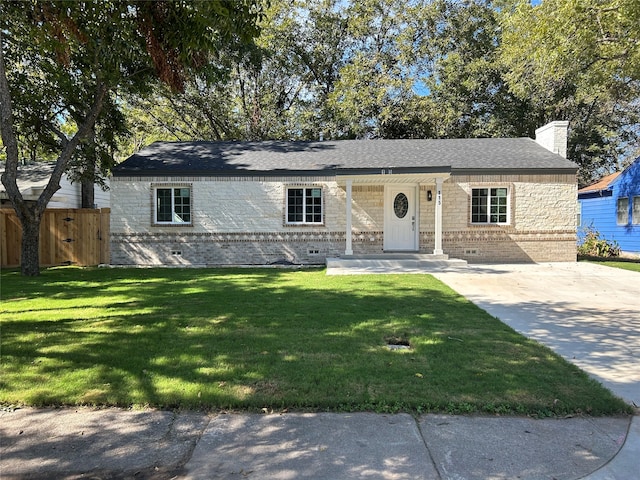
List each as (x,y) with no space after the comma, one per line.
(401,220)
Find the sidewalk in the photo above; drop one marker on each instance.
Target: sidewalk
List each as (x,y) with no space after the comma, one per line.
(85,443)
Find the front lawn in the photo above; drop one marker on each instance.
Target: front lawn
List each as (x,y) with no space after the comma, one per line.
(274,339)
(624,263)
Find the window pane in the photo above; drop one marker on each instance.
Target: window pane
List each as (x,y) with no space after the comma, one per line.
(295,202)
(182,202)
(479,205)
(623,211)
(313,205)
(163,205)
(304,205)
(498,205)
(635,215)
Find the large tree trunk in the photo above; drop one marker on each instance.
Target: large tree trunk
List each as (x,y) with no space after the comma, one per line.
(88,172)
(30,255)
(87,188)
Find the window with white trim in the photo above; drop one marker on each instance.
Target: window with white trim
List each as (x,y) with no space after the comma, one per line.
(304,205)
(635,212)
(490,206)
(622,211)
(579,219)
(172,205)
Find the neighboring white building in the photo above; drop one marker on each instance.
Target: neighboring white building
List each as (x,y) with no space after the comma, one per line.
(212,203)
(33,178)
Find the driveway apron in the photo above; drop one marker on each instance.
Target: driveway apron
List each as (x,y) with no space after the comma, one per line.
(588,313)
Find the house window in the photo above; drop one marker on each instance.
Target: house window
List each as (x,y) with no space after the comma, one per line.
(304,205)
(579,219)
(490,205)
(173,205)
(635,212)
(622,211)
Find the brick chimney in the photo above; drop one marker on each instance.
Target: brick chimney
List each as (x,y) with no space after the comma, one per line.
(553,137)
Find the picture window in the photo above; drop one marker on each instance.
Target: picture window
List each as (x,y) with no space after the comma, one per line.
(173,205)
(622,211)
(490,206)
(635,212)
(304,205)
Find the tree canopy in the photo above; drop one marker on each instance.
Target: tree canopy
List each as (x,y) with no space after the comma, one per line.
(579,61)
(429,69)
(65,64)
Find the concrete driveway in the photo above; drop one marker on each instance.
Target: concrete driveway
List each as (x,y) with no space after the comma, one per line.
(588,313)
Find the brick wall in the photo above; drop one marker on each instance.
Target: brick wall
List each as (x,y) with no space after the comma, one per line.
(241,221)
(542,220)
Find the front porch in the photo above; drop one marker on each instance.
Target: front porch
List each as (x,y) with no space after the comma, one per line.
(392,263)
(401,201)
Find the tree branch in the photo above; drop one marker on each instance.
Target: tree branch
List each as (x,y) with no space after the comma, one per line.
(8,132)
(84,130)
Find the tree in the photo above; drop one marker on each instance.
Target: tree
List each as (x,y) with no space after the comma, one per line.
(580,61)
(276,88)
(283,93)
(375,86)
(416,69)
(467,90)
(61,62)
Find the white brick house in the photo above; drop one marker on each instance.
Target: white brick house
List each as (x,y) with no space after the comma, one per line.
(217,203)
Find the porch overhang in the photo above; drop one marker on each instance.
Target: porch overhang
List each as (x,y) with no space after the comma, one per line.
(390,175)
(387,176)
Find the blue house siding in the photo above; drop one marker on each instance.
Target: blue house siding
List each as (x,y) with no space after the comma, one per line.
(598,210)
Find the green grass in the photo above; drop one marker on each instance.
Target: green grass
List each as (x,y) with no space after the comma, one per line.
(265,338)
(624,263)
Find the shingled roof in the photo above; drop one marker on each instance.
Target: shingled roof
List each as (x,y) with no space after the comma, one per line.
(603,184)
(31,179)
(343,157)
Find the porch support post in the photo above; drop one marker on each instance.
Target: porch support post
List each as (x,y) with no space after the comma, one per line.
(438,220)
(349,248)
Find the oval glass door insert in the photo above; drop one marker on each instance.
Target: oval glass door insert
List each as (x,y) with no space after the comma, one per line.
(401,205)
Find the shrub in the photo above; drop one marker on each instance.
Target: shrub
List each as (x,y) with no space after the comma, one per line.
(593,245)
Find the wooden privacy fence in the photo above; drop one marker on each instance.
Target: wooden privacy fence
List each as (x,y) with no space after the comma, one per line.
(68,236)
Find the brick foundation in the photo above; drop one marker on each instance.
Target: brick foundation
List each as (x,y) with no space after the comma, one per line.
(236,249)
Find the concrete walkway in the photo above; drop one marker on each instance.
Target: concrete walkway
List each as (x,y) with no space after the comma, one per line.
(588,313)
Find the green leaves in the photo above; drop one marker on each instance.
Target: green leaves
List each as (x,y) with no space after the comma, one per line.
(64,62)
(579,61)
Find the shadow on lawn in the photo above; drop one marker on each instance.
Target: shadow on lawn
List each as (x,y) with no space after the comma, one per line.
(198,338)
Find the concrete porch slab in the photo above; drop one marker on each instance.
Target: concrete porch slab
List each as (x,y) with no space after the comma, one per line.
(392,263)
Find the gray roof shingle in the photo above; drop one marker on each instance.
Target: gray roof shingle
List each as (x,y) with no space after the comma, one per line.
(344,156)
